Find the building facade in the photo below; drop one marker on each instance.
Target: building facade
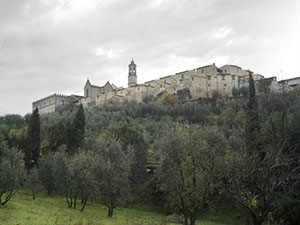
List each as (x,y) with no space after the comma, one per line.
(54,103)
(202,82)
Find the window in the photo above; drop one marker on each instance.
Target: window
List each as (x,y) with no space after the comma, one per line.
(225,71)
(182,76)
(208,77)
(208,85)
(192,78)
(87,92)
(161,85)
(233,77)
(223,77)
(238,70)
(121,92)
(165,81)
(202,70)
(225,85)
(62,102)
(138,89)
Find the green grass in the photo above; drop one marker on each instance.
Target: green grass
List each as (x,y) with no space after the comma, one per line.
(22,210)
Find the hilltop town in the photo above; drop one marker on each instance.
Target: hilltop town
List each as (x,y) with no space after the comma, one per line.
(202,82)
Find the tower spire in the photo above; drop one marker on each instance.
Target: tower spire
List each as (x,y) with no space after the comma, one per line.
(132,77)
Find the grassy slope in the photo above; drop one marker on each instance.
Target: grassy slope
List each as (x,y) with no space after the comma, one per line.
(22,210)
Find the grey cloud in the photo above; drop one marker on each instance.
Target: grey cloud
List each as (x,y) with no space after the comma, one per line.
(47,45)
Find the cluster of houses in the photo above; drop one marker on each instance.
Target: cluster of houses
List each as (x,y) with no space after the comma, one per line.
(202,82)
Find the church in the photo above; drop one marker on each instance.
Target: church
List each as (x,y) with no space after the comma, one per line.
(202,82)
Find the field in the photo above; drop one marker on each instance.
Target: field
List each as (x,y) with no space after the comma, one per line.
(22,210)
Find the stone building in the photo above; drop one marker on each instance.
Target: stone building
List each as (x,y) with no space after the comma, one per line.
(202,82)
(54,102)
(94,94)
(290,83)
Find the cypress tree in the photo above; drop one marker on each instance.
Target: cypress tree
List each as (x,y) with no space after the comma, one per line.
(32,152)
(253,124)
(79,125)
(70,137)
(75,131)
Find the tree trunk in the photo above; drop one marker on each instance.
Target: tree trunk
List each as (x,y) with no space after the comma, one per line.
(192,219)
(186,222)
(75,201)
(84,200)
(69,201)
(8,197)
(256,221)
(110,211)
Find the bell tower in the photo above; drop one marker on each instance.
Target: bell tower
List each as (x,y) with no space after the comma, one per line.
(132,78)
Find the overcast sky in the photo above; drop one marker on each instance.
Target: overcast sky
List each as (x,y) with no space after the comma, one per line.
(53,46)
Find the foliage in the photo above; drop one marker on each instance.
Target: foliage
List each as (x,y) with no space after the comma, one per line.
(12,120)
(46,175)
(82,183)
(235,92)
(257,183)
(79,126)
(260,167)
(131,138)
(229,115)
(168,99)
(111,169)
(16,137)
(266,164)
(56,136)
(75,131)
(11,172)
(32,151)
(184,94)
(32,181)
(252,119)
(188,177)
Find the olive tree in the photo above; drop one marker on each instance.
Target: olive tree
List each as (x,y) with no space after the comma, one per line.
(189,162)
(260,172)
(11,172)
(32,181)
(111,172)
(81,179)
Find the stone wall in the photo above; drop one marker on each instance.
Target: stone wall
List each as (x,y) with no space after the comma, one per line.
(50,103)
